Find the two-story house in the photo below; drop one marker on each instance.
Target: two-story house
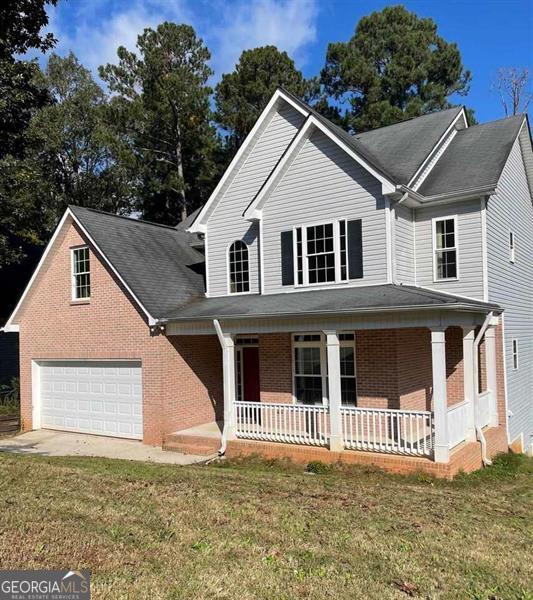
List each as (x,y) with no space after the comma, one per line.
(362,298)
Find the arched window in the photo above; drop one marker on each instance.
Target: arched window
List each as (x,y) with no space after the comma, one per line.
(239,274)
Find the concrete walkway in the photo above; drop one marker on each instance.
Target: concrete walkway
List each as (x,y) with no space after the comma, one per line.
(61,443)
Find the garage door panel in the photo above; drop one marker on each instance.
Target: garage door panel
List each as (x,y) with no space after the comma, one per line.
(92,397)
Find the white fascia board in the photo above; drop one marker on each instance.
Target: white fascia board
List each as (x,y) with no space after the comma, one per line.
(437,145)
(199,225)
(151,320)
(254,211)
(387,187)
(11,326)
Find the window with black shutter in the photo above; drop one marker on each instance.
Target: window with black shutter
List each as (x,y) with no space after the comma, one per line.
(322,253)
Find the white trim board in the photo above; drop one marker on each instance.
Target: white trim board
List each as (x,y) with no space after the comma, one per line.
(312,124)
(11,326)
(200,223)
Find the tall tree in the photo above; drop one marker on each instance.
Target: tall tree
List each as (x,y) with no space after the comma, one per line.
(160,111)
(21,95)
(514,88)
(240,96)
(394,67)
(68,156)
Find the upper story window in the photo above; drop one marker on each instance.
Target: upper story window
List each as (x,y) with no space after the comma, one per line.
(445,248)
(511,247)
(322,253)
(239,272)
(81,274)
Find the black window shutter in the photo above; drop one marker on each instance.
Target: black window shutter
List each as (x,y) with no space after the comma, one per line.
(355,249)
(287,258)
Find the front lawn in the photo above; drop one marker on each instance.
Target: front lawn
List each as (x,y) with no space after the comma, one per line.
(255,530)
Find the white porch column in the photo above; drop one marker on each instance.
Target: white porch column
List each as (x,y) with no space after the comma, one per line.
(334,387)
(490,369)
(470,384)
(440,404)
(228,368)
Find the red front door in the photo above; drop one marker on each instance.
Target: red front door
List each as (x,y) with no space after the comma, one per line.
(251,374)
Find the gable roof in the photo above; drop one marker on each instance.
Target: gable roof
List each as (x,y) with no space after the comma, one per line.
(404,146)
(475,157)
(155,263)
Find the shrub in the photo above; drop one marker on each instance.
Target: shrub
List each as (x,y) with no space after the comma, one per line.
(318,467)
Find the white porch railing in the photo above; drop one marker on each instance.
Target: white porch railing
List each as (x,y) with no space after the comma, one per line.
(457,423)
(387,430)
(289,423)
(484,401)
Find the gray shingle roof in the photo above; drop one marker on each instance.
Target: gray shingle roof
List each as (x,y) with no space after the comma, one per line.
(475,157)
(156,262)
(346,300)
(404,146)
(397,151)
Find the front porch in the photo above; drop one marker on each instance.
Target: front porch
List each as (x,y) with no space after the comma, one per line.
(404,398)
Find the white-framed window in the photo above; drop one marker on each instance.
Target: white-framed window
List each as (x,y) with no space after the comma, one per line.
(238,268)
(511,247)
(321,253)
(445,255)
(81,273)
(515,354)
(310,369)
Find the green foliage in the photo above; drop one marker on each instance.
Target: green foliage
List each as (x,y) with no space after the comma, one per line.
(21,95)
(318,467)
(240,96)
(394,67)
(10,397)
(160,118)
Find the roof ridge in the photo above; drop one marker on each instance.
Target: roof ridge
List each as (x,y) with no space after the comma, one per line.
(518,116)
(131,219)
(429,114)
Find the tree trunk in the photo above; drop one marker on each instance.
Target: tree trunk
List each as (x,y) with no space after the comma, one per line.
(179,162)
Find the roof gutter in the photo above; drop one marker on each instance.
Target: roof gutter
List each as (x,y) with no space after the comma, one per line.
(463,306)
(486,190)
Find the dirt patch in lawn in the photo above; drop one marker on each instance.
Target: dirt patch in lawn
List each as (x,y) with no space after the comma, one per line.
(252,529)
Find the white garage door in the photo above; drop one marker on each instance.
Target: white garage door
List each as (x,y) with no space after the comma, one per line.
(101,397)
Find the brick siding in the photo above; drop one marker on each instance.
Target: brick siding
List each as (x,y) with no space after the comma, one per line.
(182,383)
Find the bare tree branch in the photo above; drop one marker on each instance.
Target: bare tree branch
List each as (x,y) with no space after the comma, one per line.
(514,88)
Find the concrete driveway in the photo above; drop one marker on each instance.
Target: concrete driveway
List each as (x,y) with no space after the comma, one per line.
(61,443)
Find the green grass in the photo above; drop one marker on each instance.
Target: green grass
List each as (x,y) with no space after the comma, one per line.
(254,529)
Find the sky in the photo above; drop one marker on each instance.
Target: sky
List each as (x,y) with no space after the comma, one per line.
(490,33)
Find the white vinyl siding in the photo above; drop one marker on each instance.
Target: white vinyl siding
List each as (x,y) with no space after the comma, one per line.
(227,224)
(469,249)
(511,285)
(323,184)
(404,244)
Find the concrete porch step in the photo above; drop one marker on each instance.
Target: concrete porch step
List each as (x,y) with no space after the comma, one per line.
(187,443)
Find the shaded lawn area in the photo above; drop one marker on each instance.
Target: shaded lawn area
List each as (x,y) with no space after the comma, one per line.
(253,529)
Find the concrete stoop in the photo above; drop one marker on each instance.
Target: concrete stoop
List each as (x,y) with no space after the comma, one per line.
(204,440)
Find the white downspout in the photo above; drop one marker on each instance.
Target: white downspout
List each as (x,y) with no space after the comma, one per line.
(228,349)
(479,431)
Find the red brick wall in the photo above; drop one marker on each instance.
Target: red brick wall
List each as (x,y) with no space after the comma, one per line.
(111,327)
(377,383)
(454,365)
(415,378)
(393,367)
(275,367)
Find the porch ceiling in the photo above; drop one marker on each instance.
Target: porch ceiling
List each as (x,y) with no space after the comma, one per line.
(335,301)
